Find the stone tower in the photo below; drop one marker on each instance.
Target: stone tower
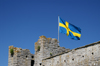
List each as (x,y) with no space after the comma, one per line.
(20,57)
(46,47)
(49,53)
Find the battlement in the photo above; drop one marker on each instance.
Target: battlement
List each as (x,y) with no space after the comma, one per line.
(20,57)
(49,53)
(50,46)
(47,47)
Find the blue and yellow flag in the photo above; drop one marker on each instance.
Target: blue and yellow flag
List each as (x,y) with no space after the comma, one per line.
(70,30)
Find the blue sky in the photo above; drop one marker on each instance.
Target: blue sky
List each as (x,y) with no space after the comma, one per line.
(23,21)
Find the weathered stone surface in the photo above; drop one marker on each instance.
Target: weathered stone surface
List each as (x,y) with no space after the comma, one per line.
(22,57)
(51,54)
(84,56)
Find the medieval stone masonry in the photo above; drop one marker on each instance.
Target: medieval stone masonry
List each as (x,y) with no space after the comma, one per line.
(49,53)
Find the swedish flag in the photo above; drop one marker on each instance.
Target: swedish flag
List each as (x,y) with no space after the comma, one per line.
(70,30)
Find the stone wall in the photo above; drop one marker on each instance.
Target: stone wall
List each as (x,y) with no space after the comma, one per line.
(88,55)
(49,53)
(21,57)
(48,47)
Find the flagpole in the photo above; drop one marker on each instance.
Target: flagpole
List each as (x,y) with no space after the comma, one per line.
(58,30)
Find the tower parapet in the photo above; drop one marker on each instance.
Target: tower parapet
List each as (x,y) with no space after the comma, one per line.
(46,47)
(20,57)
